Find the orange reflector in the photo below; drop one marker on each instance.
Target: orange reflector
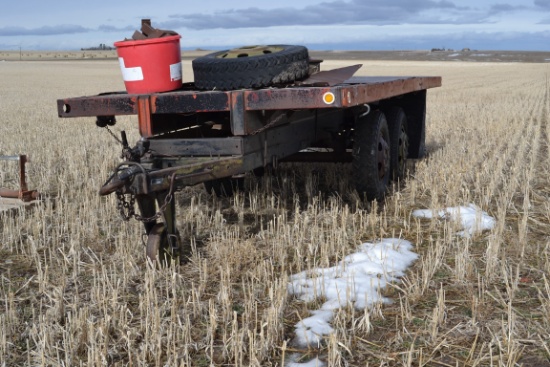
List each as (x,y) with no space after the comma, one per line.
(329,98)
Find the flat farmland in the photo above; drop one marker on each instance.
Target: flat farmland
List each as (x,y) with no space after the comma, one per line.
(76,289)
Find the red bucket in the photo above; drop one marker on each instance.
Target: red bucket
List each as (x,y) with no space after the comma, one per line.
(151,65)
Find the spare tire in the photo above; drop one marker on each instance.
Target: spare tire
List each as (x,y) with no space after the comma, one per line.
(251,67)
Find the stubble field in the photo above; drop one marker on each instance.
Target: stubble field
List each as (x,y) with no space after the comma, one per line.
(75,287)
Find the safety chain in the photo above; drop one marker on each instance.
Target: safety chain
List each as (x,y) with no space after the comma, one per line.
(265,127)
(127,209)
(167,200)
(114,135)
(126,151)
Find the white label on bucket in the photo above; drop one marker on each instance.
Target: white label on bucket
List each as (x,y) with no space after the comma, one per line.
(130,74)
(175,72)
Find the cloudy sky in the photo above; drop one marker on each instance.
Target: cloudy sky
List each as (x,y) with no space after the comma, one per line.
(321,25)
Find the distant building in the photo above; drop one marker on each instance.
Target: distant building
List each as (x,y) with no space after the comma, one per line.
(102,47)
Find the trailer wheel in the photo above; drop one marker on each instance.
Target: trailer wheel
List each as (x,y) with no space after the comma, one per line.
(158,248)
(371,155)
(251,67)
(399,142)
(224,187)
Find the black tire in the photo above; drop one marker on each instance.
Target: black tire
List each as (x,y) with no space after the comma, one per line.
(251,67)
(224,187)
(259,172)
(399,142)
(417,129)
(371,155)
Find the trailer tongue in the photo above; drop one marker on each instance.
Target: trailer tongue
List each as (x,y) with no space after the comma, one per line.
(190,136)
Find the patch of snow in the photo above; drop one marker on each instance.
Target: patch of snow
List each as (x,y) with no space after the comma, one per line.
(356,281)
(359,277)
(472,218)
(454,55)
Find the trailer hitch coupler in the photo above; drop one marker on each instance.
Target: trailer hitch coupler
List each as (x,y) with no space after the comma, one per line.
(119,179)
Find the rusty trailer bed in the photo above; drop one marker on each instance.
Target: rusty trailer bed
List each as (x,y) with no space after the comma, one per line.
(190,136)
(260,126)
(353,92)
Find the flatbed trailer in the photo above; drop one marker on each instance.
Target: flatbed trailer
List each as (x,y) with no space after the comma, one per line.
(190,136)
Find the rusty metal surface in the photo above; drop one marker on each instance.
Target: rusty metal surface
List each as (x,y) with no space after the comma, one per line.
(211,147)
(148,32)
(120,103)
(289,98)
(235,155)
(330,77)
(101,105)
(23,193)
(379,88)
(191,101)
(144,116)
(25,196)
(353,92)
(188,171)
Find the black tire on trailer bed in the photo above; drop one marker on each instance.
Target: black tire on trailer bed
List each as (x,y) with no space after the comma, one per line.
(371,155)
(399,141)
(251,67)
